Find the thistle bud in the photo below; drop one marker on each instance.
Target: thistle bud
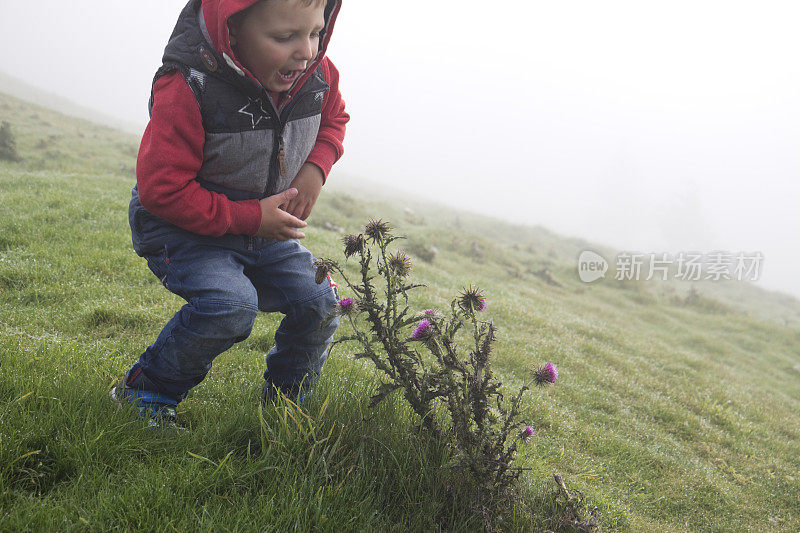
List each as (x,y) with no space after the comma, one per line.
(400,264)
(353,244)
(472,300)
(377,230)
(323,269)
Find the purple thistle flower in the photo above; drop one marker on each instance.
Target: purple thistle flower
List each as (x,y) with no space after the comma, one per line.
(527,432)
(482,305)
(423,329)
(547,374)
(430,312)
(346,306)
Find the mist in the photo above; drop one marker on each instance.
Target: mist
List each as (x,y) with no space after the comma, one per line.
(650,127)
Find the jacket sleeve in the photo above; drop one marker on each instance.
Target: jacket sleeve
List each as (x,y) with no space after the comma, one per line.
(170,156)
(328,148)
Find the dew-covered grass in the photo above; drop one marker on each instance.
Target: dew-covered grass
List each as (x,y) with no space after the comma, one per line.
(667,416)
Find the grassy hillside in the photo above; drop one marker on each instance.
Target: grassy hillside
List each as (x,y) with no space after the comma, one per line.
(671,414)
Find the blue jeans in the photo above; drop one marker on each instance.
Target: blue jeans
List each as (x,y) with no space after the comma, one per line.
(225,286)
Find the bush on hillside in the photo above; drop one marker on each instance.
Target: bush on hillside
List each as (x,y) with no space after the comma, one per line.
(425,252)
(702,303)
(8,144)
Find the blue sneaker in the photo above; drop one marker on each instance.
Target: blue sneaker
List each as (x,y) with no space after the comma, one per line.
(158,409)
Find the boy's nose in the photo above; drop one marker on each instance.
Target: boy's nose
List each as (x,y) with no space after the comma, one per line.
(307,51)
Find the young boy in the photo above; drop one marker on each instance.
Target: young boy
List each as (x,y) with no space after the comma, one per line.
(246,121)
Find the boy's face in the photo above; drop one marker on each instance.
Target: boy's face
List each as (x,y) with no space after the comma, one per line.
(277,40)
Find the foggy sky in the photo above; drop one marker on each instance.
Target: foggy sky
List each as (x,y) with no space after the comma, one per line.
(656,127)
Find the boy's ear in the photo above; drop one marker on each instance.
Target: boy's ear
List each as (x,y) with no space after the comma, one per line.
(234,24)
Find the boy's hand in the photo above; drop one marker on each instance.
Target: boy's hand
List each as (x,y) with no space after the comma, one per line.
(277,223)
(308,182)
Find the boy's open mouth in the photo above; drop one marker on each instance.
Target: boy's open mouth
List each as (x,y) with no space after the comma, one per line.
(288,75)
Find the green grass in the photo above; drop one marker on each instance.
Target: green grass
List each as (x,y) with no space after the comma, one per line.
(668,417)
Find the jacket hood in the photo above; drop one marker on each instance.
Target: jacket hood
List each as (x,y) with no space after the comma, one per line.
(215,17)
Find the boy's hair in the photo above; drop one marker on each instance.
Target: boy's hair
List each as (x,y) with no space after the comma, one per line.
(235,20)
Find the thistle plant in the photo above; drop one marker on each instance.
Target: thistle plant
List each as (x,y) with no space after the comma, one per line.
(440,361)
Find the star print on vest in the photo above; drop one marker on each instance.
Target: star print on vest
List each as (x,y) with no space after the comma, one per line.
(255,110)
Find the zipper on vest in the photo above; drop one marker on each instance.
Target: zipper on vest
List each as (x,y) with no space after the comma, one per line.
(281,148)
(281,155)
(277,164)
